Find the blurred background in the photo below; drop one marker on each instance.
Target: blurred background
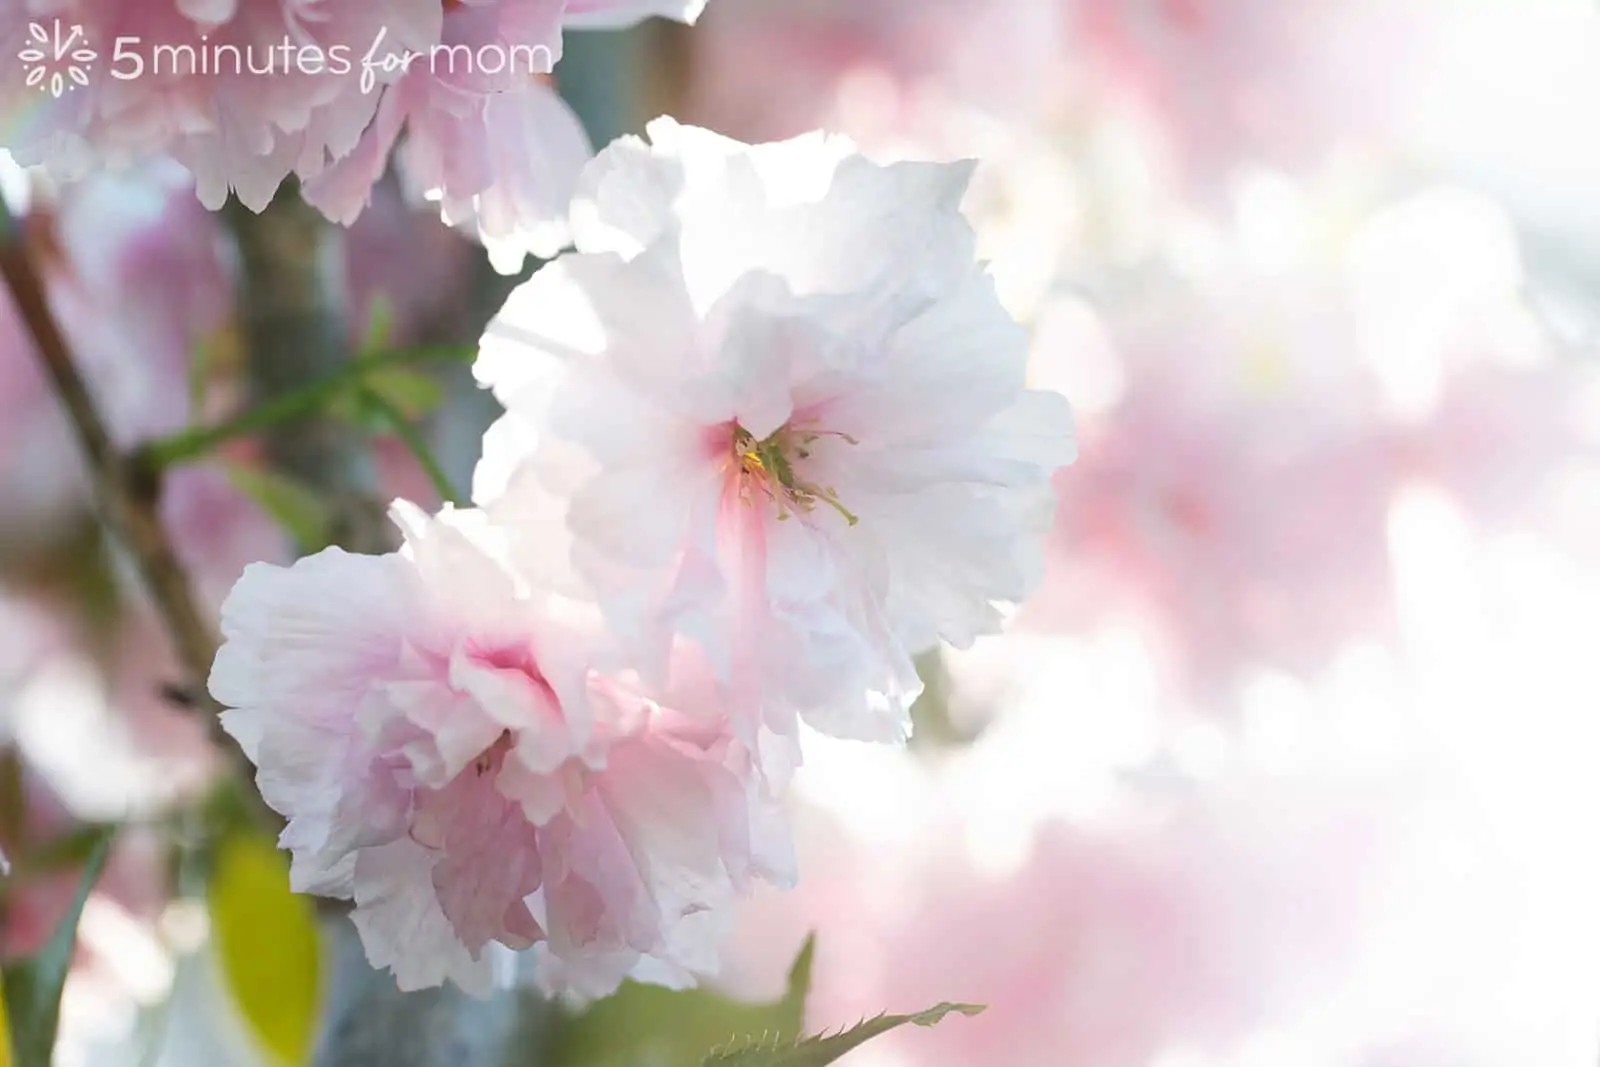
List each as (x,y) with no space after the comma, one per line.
(1291,762)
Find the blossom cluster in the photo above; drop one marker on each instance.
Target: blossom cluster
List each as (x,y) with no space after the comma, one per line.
(1282,762)
(245,93)
(766,437)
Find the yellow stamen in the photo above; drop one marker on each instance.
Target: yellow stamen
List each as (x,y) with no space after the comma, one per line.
(766,462)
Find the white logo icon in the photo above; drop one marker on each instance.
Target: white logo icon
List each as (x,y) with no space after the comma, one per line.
(57,60)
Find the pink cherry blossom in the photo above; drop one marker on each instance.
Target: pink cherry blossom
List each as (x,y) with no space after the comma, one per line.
(402,257)
(139,282)
(1233,502)
(499,151)
(1229,82)
(216,529)
(1193,924)
(267,107)
(450,758)
(248,92)
(471,152)
(765,69)
(1516,446)
(801,431)
(1228,542)
(111,651)
(1489,405)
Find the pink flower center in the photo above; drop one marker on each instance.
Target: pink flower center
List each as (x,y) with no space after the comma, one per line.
(522,661)
(493,756)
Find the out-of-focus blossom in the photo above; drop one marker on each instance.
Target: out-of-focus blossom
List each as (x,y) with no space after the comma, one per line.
(1489,403)
(88,692)
(802,434)
(1226,83)
(402,258)
(1233,498)
(450,758)
(1192,918)
(142,288)
(1250,421)
(1518,447)
(38,482)
(765,69)
(216,529)
(140,285)
(45,876)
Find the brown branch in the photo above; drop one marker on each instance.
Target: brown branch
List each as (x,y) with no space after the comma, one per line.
(291,305)
(127,493)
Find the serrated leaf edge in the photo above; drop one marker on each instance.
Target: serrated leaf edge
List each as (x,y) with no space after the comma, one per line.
(763,1054)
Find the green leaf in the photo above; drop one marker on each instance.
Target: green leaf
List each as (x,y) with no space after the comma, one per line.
(265,938)
(216,351)
(68,851)
(648,1026)
(313,399)
(412,393)
(297,509)
(33,986)
(380,324)
(824,1049)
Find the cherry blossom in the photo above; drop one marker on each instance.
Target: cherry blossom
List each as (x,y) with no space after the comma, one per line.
(246,93)
(451,758)
(790,414)
(767,69)
(273,103)
(140,284)
(1224,83)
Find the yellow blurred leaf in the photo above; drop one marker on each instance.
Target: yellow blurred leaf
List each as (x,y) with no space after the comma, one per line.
(266,941)
(5,1036)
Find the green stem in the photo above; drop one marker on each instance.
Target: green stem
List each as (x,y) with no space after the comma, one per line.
(198,442)
(407,432)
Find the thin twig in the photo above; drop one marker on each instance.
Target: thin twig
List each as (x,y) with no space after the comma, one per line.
(199,442)
(128,493)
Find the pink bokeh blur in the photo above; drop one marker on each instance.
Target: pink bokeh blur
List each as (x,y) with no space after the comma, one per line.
(1289,762)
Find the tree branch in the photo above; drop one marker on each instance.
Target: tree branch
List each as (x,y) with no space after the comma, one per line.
(127,493)
(293,310)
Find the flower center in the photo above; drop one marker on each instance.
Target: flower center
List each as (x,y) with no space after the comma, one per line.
(491,757)
(768,466)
